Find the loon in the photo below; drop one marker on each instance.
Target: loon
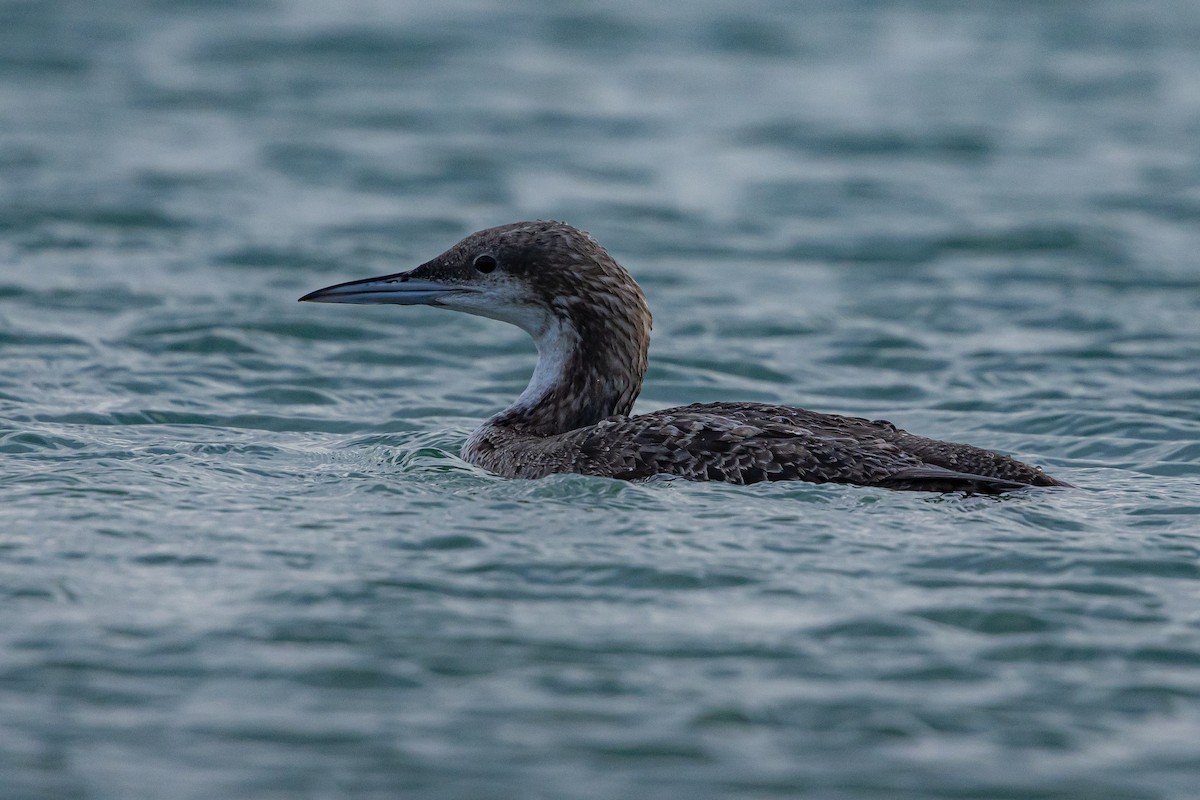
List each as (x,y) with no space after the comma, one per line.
(591,324)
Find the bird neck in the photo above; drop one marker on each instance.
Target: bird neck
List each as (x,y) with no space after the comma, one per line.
(590,367)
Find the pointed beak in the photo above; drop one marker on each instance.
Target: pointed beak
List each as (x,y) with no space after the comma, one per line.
(399,289)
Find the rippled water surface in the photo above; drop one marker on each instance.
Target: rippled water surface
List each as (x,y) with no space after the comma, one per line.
(239,554)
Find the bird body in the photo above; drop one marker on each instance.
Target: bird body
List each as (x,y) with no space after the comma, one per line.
(748,443)
(591,325)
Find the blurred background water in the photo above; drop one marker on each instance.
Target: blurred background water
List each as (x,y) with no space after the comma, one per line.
(240,557)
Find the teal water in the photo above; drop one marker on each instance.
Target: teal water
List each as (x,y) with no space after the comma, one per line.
(240,557)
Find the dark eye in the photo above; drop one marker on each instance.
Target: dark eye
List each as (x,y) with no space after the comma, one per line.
(485,263)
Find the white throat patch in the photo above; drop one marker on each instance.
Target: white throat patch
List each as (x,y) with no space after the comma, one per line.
(556,342)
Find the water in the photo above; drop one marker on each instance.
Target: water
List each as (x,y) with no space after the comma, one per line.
(240,556)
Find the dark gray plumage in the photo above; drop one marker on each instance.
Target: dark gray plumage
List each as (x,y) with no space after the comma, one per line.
(591,325)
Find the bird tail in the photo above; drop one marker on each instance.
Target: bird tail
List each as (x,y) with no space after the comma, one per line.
(928,478)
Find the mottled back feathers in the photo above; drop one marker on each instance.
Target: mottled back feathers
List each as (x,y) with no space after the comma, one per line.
(752,442)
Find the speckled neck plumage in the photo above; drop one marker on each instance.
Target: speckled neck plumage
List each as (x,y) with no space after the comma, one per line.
(593,355)
(591,325)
